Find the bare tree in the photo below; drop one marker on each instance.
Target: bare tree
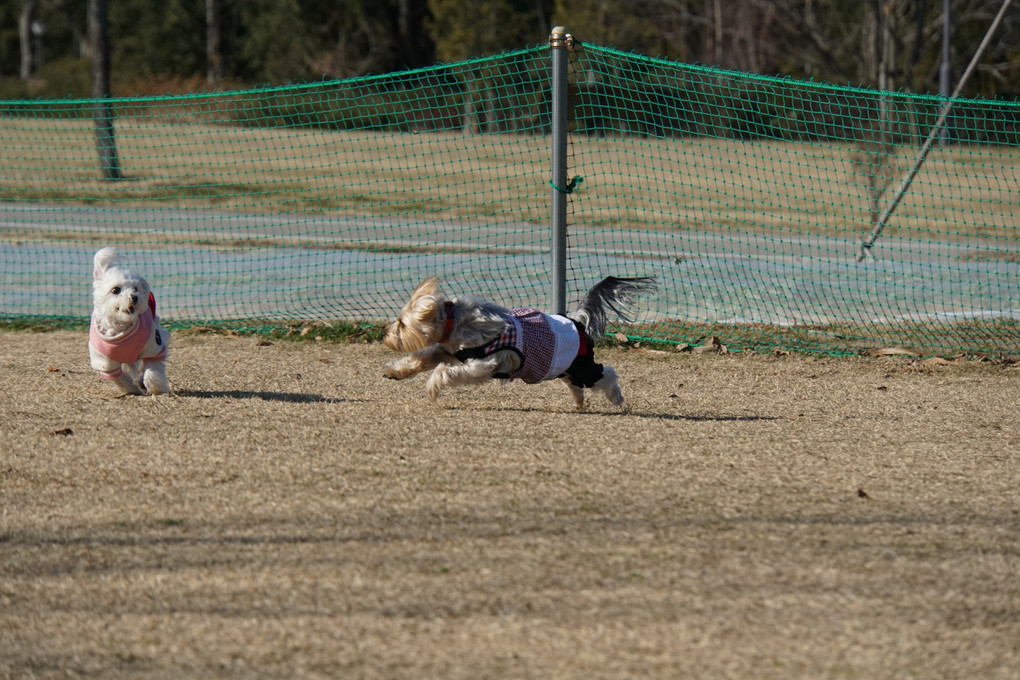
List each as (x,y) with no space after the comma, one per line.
(214,58)
(102,112)
(28,8)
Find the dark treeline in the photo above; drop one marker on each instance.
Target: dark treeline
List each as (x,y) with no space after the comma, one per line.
(176,45)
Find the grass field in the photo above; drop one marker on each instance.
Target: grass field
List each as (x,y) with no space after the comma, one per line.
(288,513)
(696,183)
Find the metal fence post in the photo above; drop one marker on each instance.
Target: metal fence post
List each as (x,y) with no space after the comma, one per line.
(559,42)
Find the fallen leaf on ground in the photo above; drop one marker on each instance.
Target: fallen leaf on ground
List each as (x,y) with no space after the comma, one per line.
(889,351)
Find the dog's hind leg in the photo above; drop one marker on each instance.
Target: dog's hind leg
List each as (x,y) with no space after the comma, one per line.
(576,392)
(609,386)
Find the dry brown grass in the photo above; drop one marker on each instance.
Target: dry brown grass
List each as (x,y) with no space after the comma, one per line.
(288,513)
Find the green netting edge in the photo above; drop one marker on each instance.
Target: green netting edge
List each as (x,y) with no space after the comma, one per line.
(296,87)
(788,81)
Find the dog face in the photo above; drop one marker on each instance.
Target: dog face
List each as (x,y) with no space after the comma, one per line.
(118,294)
(418,325)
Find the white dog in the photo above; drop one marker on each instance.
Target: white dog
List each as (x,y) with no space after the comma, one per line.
(126,344)
(466,341)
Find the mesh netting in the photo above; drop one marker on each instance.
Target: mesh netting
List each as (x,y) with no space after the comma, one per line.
(747,197)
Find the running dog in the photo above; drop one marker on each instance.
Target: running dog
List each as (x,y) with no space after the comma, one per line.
(126,344)
(466,341)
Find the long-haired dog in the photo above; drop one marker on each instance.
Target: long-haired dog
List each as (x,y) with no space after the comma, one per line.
(126,344)
(467,341)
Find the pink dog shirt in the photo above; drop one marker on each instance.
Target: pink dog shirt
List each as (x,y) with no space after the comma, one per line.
(141,342)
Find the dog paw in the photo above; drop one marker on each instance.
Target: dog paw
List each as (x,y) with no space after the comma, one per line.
(392,373)
(153,378)
(432,389)
(435,383)
(609,386)
(156,384)
(614,394)
(127,386)
(578,395)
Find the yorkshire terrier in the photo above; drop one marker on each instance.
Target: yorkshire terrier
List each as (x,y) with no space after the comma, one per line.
(126,344)
(467,341)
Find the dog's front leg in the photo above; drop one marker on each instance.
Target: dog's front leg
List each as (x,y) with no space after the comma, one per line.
(416,362)
(154,377)
(129,381)
(470,372)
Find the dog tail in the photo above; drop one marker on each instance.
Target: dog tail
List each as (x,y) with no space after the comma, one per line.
(611,294)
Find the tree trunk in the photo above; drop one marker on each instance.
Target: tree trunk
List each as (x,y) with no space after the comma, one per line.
(102,112)
(25,36)
(718,41)
(214,60)
(470,124)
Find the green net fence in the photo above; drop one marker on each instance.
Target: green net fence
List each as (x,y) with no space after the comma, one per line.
(747,197)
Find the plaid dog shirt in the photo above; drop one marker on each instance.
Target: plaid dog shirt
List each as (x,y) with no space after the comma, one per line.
(547,343)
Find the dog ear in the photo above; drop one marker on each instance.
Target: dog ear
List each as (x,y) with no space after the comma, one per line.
(425,300)
(429,286)
(103,260)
